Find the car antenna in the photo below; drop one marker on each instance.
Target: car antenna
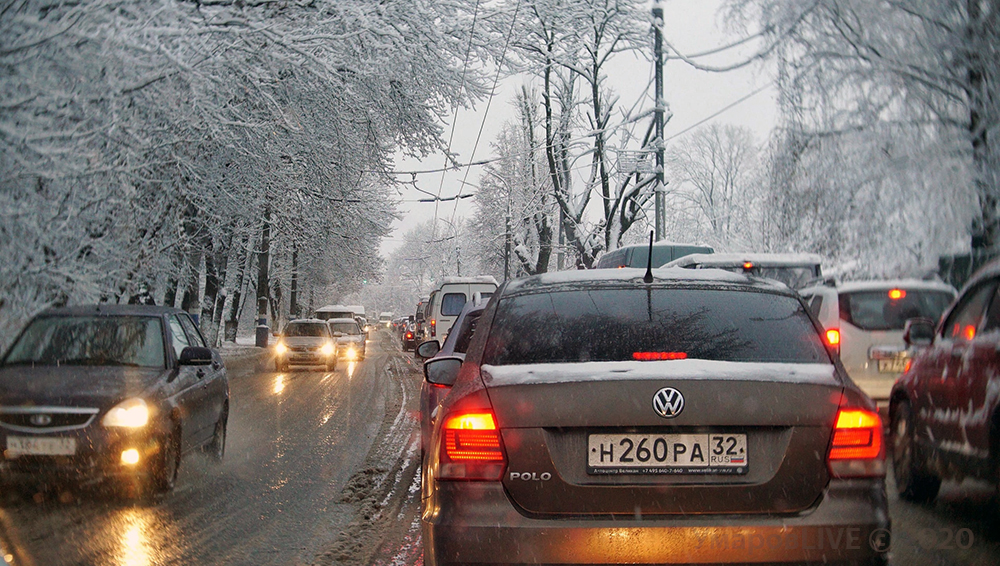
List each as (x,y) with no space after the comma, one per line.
(648,277)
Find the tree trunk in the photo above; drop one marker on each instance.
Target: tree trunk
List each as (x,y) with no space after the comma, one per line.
(986,228)
(263,263)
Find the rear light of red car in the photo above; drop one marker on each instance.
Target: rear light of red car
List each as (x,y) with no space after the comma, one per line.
(471,448)
(856,449)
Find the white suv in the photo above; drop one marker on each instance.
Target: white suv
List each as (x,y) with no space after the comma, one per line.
(867,318)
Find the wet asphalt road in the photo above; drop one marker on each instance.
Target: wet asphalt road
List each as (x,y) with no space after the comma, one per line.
(295,438)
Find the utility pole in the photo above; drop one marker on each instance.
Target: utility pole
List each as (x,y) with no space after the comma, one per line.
(660,212)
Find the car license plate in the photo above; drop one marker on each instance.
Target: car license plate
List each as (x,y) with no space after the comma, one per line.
(667,454)
(40,446)
(892,366)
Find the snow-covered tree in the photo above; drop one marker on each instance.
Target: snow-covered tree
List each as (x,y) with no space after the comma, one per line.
(145,144)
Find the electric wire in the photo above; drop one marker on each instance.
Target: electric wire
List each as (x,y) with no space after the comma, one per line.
(454,122)
(482,124)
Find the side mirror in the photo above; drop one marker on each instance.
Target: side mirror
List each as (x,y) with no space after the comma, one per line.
(195,356)
(338,334)
(918,332)
(428,349)
(442,371)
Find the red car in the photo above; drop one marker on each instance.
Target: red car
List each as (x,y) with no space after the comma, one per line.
(945,409)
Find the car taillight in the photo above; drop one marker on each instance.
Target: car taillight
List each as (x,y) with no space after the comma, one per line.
(471,448)
(833,337)
(409,336)
(856,446)
(434,325)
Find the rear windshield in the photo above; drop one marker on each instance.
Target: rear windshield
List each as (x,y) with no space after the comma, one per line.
(306,329)
(452,303)
(91,340)
(890,309)
(615,324)
(663,254)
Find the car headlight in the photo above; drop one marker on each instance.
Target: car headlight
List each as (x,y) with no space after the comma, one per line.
(130,413)
(327,349)
(280,349)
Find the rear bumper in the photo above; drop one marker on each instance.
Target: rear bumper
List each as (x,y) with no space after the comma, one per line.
(475,523)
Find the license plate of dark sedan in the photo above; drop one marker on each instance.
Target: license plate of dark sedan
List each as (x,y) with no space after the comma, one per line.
(40,446)
(667,454)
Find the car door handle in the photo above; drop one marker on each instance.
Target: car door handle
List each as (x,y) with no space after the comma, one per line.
(216,365)
(200,373)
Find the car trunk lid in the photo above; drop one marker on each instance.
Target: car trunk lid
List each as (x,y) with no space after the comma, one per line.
(553,417)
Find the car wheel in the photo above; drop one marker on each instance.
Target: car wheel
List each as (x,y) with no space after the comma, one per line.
(216,449)
(163,469)
(912,482)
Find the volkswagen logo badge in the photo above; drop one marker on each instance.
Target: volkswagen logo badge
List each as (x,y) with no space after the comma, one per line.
(668,402)
(40,419)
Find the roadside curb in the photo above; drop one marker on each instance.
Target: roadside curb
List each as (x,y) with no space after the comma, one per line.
(251,357)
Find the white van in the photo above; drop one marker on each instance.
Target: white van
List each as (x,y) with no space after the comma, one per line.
(447,301)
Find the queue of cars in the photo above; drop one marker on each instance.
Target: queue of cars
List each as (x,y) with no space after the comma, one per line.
(559,411)
(536,448)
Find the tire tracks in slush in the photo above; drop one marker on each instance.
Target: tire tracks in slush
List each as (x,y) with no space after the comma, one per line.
(386,491)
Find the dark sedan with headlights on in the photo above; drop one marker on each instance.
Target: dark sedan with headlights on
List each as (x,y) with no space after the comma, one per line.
(110,392)
(695,418)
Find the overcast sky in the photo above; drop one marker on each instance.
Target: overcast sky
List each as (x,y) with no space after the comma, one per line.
(692,26)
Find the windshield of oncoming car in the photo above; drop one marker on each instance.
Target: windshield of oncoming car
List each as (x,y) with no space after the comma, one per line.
(345,327)
(889,309)
(306,329)
(91,340)
(615,324)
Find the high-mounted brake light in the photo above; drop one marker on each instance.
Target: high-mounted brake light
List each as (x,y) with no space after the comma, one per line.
(897,294)
(471,448)
(856,446)
(654,356)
